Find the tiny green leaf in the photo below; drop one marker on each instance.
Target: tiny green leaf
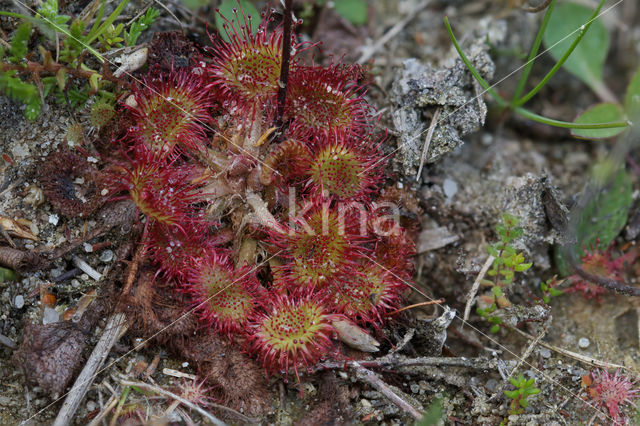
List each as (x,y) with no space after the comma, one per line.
(632,98)
(604,216)
(19,42)
(7,275)
(523,267)
(512,394)
(354,11)
(227,12)
(434,414)
(587,60)
(601,113)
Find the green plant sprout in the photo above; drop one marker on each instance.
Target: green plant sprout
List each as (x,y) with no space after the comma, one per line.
(517,100)
(611,111)
(72,38)
(507,261)
(524,388)
(549,288)
(139,25)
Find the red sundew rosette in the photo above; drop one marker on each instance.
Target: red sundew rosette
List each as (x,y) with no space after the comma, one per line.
(325,102)
(611,391)
(367,295)
(599,263)
(245,71)
(171,113)
(292,331)
(345,169)
(224,297)
(159,187)
(392,248)
(320,244)
(175,249)
(287,164)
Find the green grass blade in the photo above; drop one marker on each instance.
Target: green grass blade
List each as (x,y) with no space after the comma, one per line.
(533,53)
(556,67)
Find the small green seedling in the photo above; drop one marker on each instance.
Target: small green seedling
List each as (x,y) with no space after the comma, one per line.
(583,39)
(524,388)
(31,82)
(507,262)
(611,111)
(549,288)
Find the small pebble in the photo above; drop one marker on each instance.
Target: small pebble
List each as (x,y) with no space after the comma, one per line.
(75,283)
(583,343)
(185,364)
(449,187)
(104,192)
(84,277)
(29,246)
(415,388)
(545,353)
(19,301)
(55,273)
(106,256)
(88,247)
(50,316)
(91,406)
(34,228)
(53,219)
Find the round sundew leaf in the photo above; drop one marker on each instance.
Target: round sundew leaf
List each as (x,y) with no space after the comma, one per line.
(354,11)
(587,60)
(338,170)
(227,8)
(601,113)
(7,275)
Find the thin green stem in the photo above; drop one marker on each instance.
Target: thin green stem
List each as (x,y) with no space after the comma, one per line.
(471,68)
(116,12)
(532,54)
(556,67)
(96,24)
(567,124)
(519,110)
(17,15)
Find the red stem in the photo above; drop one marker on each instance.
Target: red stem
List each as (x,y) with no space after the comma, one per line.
(284,66)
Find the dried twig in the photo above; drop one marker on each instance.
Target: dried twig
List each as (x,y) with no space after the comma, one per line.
(106,410)
(582,358)
(183,401)
(427,142)
(115,327)
(406,365)
(138,257)
(527,352)
(474,288)
(86,268)
(608,283)
(405,340)
(375,381)
(284,64)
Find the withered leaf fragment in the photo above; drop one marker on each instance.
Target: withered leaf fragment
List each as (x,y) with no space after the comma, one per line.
(50,354)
